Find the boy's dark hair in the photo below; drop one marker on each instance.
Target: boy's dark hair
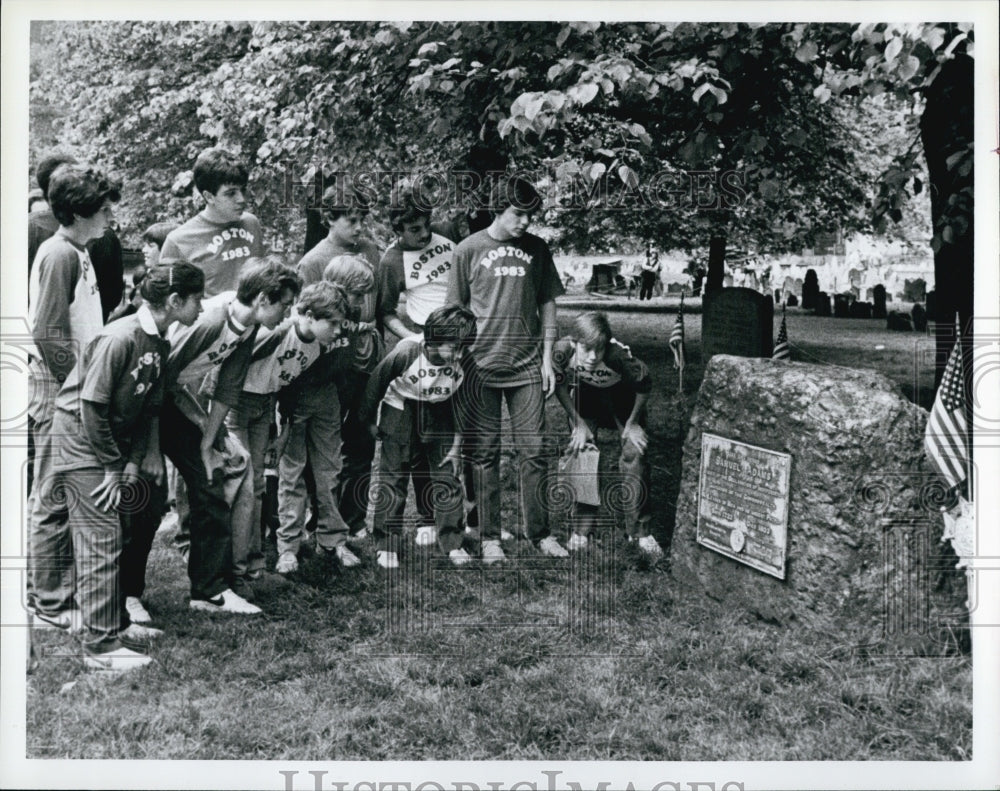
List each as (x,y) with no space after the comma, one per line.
(75,190)
(592,329)
(341,199)
(215,167)
(450,324)
(514,191)
(407,210)
(46,167)
(269,276)
(325,300)
(162,280)
(157,232)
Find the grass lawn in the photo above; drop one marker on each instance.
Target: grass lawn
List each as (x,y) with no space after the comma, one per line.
(603,656)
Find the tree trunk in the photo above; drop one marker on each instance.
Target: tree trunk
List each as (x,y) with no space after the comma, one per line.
(716,261)
(946,129)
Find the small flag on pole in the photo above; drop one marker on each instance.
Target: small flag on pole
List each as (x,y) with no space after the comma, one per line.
(946,435)
(676,342)
(781,351)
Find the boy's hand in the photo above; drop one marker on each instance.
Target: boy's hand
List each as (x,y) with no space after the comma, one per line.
(152,467)
(109,492)
(454,458)
(211,459)
(636,434)
(580,437)
(277,446)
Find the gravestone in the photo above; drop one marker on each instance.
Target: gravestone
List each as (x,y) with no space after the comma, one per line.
(822,304)
(793,301)
(878,302)
(806,499)
(677,288)
(914,290)
(869,294)
(810,290)
(900,322)
(919,316)
(854,277)
(932,306)
(841,306)
(777,296)
(861,310)
(855,293)
(727,281)
(736,321)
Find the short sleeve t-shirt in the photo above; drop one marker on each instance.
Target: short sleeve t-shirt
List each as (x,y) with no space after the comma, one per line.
(122,368)
(219,250)
(619,369)
(422,275)
(279,358)
(505,284)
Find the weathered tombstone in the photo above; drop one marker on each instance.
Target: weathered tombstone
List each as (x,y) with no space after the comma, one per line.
(900,322)
(869,294)
(919,318)
(798,287)
(810,290)
(841,306)
(727,281)
(932,306)
(914,290)
(861,310)
(793,301)
(736,321)
(822,304)
(878,300)
(855,293)
(777,296)
(676,288)
(806,499)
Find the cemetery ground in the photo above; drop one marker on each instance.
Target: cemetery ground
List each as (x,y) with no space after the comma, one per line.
(601,657)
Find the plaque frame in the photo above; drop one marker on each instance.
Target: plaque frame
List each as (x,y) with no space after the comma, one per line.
(731,536)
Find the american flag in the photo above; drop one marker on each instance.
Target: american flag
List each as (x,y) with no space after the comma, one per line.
(676,342)
(946,435)
(781,351)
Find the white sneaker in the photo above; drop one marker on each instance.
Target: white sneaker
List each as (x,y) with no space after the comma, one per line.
(287,563)
(459,557)
(506,535)
(550,546)
(136,612)
(347,558)
(648,544)
(117,661)
(387,560)
(426,536)
(493,552)
(227,601)
(70,620)
(137,633)
(576,541)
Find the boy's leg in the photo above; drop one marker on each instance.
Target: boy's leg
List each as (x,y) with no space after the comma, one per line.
(526,405)
(139,525)
(50,545)
(292,487)
(390,494)
(97,546)
(483,450)
(446,494)
(633,465)
(421,476)
(323,447)
(250,422)
(210,558)
(358,454)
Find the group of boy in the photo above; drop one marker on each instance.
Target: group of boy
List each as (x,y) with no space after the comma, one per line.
(315,391)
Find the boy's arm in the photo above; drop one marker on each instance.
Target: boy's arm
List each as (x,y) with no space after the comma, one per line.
(458,283)
(233,373)
(58,273)
(397,361)
(549,331)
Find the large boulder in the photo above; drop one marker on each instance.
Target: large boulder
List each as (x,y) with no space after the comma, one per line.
(863,557)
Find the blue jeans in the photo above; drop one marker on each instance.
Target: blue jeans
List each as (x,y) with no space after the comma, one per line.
(250,422)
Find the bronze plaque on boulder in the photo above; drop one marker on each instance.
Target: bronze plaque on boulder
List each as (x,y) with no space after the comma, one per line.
(743,502)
